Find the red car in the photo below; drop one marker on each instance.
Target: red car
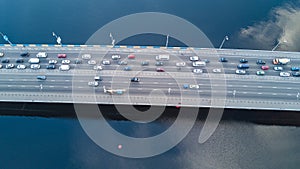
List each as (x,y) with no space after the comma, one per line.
(265,67)
(61,55)
(160,70)
(131,56)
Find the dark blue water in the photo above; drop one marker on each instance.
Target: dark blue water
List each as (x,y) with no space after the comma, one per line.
(34,143)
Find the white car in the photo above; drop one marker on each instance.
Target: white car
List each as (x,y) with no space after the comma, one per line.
(194,86)
(41,55)
(1,66)
(1,54)
(278,68)
(91,62)
(106,62)
(194,58)
(35,66)
(98,67)
(93,83)
(284,74)
(115,57)
(240,72)
(9,66)
(64,67)
(66,61)
(52,61)
(217,70)
(21,67)
(180,64)
(86,56)
(197,71)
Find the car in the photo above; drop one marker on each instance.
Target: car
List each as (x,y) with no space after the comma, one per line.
(217,70)
(86,56)
(295,68)
(127,68)
(9,66)
(159,63)
(185,86)
(65,61)
(1,66)
(134,79)
(1,54)
(284,74)
(296,74)
(41,55)
(131,56)
(198,64)
(24,54)
(260,62)
(78,61)
(122,63)
(240,72)
(197,71)
(115,57)
(180,64)
(98,67)
(194,58)
(205,60)
(41,77)
(92,62)
(194,86)
(265,67)
(61,55)
(35,66)
(278,68)
(52,61)
(105,62)
(145,63)
(21,67)
(51,66)
(5,61)
(160,70)
(93,83)
(243,60)
(243,66)
(260,72)
(222,59)
(19,61)
(98,78)
(64,67)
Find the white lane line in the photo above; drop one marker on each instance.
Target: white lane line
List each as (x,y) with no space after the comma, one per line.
(8,85)
(274,94)
(10,79)
(67,80)
(274,87)
(23,86)
(155,82)
(51,86)
(80,87)
(259,86)
(259,93)
(245,86)
(140,89)
(66,87)
(289,94)
(245,92)
(170,83)
(289,88)
(81,81)
(52,80)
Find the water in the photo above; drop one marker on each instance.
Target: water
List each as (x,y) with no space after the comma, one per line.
(32,142)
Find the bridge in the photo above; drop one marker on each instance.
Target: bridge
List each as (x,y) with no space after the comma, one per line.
(167,83)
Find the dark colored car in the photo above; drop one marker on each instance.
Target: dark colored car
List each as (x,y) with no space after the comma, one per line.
(160,70)
(223,59)
(296,74)
(159,63)
(24,54)
(243,66)
(78,61)
(260,62)
(243,60)
(51,66)
(135,79)
(295,68)
(19,61)
(5,61)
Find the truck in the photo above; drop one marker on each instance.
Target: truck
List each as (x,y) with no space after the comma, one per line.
(281,61)
(111,91)
(34,60)
(162,57)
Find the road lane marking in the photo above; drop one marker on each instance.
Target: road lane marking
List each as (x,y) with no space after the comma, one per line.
(259,93)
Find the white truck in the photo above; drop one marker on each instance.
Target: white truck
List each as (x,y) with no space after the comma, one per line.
(34,60)
(281,61)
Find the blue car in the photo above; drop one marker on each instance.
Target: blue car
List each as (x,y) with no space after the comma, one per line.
(185,86)
(243,60)
(243,66)
(295,68)
(127,68)
(223,59)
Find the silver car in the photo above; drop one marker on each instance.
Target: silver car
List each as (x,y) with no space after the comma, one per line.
(21,67)
(9,66)
(91,62)
(35,66)
(106,62)
(86,56)
(93,83)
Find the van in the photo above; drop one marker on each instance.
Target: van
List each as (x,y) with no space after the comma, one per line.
(34,60)
(198,64)
(243,66)
(64,67)
(162,57)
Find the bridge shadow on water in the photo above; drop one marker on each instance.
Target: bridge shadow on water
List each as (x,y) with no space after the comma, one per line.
(110,112)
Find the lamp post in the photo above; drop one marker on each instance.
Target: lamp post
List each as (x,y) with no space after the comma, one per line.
(58,39)
(167,41)
(226,38)
(6,38)
(279,43)
(112,39)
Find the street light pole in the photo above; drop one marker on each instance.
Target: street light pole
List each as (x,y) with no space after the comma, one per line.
(226,38)
(6,38)
(112,39)
(167,41)
(279,43)
(58,39)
